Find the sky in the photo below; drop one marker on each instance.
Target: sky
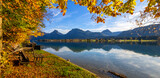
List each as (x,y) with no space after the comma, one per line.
(79,17)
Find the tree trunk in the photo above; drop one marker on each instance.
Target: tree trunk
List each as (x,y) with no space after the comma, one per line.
(0,32)
(0,36)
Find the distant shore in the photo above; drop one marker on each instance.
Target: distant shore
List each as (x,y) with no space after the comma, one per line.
(95,40)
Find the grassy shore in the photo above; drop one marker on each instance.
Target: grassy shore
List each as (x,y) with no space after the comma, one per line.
(51,67)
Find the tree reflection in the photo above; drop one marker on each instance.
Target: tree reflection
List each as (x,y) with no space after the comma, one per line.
(151,49)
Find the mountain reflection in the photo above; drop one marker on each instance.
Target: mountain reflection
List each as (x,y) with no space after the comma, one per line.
(151,49)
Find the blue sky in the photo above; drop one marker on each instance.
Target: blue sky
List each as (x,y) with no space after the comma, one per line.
(79,17)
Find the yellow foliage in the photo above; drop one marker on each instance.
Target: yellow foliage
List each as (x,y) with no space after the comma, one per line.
(141,0)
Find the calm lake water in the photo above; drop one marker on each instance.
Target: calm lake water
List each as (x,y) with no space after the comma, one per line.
(140,60)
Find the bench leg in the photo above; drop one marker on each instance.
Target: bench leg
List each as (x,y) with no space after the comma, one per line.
(41,59)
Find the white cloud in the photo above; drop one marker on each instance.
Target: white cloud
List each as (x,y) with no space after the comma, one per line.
(60,18)
(121,26)
(63,49)
(139,62)
(56,13)
(52,12)
(97,50)
(114,24)
(101,28)
(85,14)
(91,23)
(135,15)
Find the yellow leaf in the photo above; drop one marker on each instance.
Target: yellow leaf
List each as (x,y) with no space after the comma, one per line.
(101,15)
(106,1)
(63,14)
(141,0)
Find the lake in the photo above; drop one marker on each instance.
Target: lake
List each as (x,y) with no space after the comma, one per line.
(134,60)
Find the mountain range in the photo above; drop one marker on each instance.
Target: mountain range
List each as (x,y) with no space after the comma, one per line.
(77,34)
(150,30)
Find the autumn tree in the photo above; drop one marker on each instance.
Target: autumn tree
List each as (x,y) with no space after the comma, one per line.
(22,19)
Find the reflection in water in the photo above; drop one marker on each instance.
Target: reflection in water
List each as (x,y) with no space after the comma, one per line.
(134,61)
(148,48)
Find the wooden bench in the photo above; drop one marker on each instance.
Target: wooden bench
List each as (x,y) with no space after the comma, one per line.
(38,58)
(23,58)
(20,56)
(37,47)
(28,49)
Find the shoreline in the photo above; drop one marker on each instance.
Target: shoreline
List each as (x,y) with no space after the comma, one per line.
(52,66)
(73,64)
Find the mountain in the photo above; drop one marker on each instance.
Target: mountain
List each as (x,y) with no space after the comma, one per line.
(116,33)
(80,34)
(53,35)
(150,30)
(106,32)
(55,32)
(109,33)
(75,34)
